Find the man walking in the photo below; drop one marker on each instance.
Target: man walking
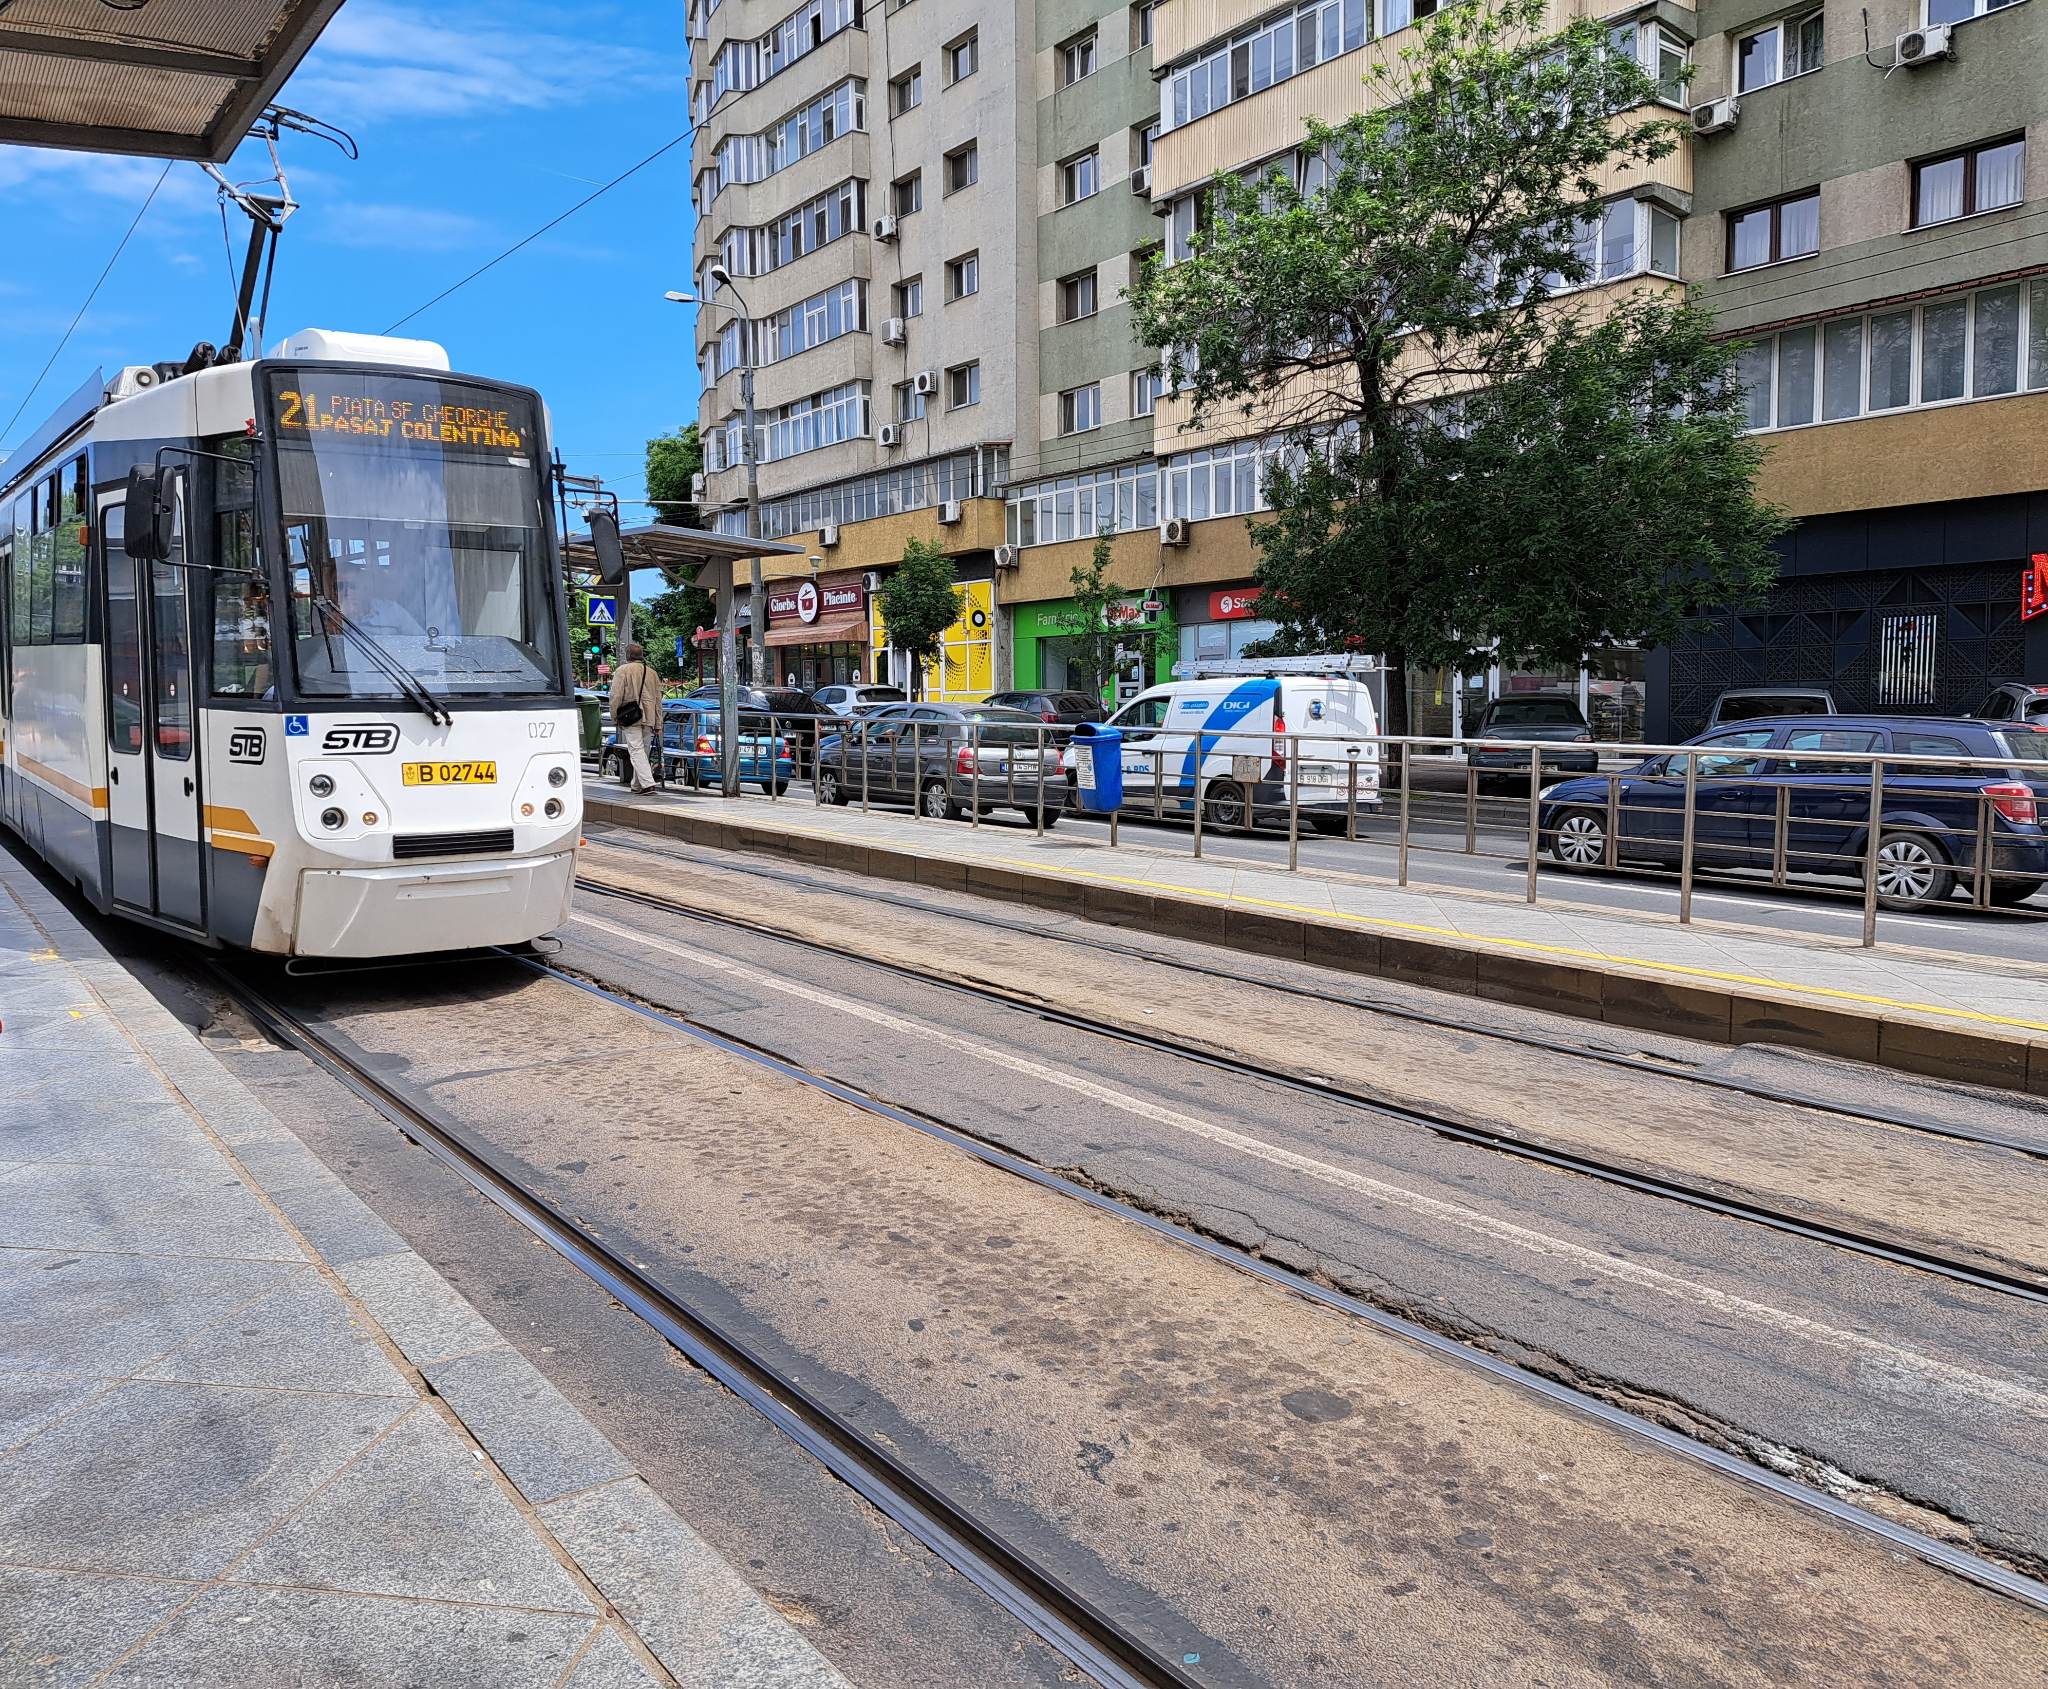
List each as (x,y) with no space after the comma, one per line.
(636,711)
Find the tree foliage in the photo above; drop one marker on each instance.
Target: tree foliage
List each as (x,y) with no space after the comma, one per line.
(1481,466)
(1086,626)
(672,461)
(919,602)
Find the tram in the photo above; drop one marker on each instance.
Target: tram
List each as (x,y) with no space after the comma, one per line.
(284,659)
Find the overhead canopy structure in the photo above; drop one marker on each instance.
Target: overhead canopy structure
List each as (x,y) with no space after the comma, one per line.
(163,78)
(659,546)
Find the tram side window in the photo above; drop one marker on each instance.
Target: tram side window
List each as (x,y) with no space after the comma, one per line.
(124,640)
(171,645)
(42,562)
(24,569)
(67,618)
(241,614)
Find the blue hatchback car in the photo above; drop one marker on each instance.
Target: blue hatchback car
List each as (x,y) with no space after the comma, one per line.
(1932,820)
(690,748)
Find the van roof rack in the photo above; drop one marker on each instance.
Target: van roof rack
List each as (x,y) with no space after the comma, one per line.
(1336,667)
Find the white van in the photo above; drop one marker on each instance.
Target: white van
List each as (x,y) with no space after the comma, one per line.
(1240,719)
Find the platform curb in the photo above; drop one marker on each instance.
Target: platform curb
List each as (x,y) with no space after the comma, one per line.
(1643,999)
(423,1317)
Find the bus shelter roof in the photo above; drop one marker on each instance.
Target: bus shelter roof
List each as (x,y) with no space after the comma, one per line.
(173,79)
(659,546)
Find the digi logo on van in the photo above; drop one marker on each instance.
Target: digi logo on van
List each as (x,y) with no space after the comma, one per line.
(361,737)
(1238,706)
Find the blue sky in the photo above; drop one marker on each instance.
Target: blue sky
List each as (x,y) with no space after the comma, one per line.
(477,122)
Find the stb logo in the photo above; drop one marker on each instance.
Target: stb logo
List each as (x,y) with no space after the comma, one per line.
(245,744)
(361,736)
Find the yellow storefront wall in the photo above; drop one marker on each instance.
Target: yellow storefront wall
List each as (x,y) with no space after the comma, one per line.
(965,672)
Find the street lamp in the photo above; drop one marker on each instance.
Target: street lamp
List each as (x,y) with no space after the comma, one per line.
(728,651)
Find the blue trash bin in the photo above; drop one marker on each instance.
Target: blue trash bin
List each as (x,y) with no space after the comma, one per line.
(1098,767)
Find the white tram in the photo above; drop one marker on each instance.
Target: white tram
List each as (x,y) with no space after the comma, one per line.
(283,653)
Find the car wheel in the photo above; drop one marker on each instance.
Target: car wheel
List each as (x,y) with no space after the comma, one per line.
(1224,810)
(1911,872)
(829,789)
(2005,894)
(775,787)
(1052,815)
(1579,841)
(937,802)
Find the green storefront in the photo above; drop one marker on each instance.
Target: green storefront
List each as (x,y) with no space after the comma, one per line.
(1042,645)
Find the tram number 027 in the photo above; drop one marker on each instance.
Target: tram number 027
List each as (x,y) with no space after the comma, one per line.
(451,774)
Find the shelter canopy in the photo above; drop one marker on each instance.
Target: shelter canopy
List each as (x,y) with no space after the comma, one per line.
(165,78)
(659,546)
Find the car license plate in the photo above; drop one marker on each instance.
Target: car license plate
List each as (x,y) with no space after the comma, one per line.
(451,774)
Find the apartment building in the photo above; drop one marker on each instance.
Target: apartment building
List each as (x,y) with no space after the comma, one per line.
(925,209)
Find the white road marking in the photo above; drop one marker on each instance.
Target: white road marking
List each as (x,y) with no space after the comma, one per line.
(1906,1368)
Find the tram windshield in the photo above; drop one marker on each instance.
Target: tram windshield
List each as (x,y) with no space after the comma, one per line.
(414,536)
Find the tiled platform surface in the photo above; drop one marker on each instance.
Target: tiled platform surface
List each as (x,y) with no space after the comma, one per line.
(1985,1023)
(219,1463)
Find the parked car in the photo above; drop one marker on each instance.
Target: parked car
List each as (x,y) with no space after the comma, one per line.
(945,759)
(690,748)
(850,700)
(797,714)
(1244,772)
(1747,703)
(1065,708)
(2016,701)
(1931,812)
(1544,717)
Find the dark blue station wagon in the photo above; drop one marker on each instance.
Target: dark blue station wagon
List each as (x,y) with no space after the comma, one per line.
(1754,774)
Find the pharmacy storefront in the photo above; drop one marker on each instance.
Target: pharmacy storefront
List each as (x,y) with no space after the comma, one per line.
(1047,655)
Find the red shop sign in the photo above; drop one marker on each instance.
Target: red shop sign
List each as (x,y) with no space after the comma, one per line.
(2034,588)
(806,601)
(1235,606)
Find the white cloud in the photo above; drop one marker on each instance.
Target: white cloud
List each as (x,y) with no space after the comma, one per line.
(412,228)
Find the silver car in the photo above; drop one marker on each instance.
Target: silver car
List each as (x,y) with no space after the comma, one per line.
(947,760)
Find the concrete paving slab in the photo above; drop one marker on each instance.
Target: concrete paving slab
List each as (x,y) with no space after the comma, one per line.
(417,1515)
(548,1448)
(233,1638)
(336,1222)
(110,1315)
(175,1479)
(610,1664)
(83,1205)
(60,1631)
(300,1337)
(420,1309)
(703,1623)
(29,1402)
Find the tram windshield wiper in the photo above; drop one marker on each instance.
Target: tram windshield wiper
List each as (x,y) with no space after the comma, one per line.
(396,672)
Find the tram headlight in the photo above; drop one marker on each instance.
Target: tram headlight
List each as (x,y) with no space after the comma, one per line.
(554,809)
(558,776)
(321,785)
(332,819)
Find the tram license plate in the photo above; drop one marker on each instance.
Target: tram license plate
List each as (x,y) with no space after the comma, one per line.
(451,774)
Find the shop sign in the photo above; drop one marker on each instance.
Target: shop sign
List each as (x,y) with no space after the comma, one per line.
(806,601)
(1237,605)
(2034,588)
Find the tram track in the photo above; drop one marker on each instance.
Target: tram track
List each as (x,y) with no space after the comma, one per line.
(1512,1144)
(1055,1612)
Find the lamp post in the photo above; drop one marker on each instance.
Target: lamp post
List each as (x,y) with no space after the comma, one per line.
(750,451)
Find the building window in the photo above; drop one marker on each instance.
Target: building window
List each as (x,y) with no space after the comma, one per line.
(1985,178)
(1789,48)
(963,167)
(1272,52)
(1078,507)
(963,57)
(1769,234)
(1077,59)
(1979,345)
(1661,52)
(1961,11)
(906,194)
(909,402)
(1141,24)
(1081,408)
(1077,296)
(1399,14)
(906,92)
(963,276)
(1080,178)
(1146,387)
(963,386)
(1629,237)
(907,298)
(1143,139)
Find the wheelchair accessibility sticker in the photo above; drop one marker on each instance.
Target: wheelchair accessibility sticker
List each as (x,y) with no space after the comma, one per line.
(295,727)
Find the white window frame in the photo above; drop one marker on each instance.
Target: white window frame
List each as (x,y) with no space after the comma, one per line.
(1148,387)
(971,152)
(968,45)
(964,269)
(906,92)
(1069,169)
(1071,408)
(1089,277)
(1786,29)
(1978,9)
(969,375)
(1084,49)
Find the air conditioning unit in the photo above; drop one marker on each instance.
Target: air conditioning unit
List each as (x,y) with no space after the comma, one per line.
(951,511)
(889,434)
(1006,557)
(699,487)
(1174,531)
(872,580)
(828,536)
(1141,180)
(892,331)
(885,226)
(1924,46)
(925,382)
(1714,116)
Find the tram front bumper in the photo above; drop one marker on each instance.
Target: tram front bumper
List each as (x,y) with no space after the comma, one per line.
(423,908)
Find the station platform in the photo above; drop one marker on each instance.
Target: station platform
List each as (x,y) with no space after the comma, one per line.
(1969,1019)
(247,1436)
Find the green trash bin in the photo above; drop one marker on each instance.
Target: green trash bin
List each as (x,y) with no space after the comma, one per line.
(590,722)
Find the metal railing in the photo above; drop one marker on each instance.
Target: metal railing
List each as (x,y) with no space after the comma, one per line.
(1889,831)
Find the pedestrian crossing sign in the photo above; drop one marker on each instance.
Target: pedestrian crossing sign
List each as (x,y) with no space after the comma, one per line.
(603,613)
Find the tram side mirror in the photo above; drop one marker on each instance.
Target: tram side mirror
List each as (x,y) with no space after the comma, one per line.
(604,540)
(147,516)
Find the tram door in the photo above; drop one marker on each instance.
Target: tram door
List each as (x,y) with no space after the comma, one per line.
(152,729)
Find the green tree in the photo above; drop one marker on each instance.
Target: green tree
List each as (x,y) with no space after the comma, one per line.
(672,460)
(678,613)
(1086,627)
(1477,465)
(919,602)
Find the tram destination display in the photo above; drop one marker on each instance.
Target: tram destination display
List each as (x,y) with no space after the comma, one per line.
(400,411)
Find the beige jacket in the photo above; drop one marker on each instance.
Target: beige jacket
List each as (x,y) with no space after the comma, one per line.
(637,680)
